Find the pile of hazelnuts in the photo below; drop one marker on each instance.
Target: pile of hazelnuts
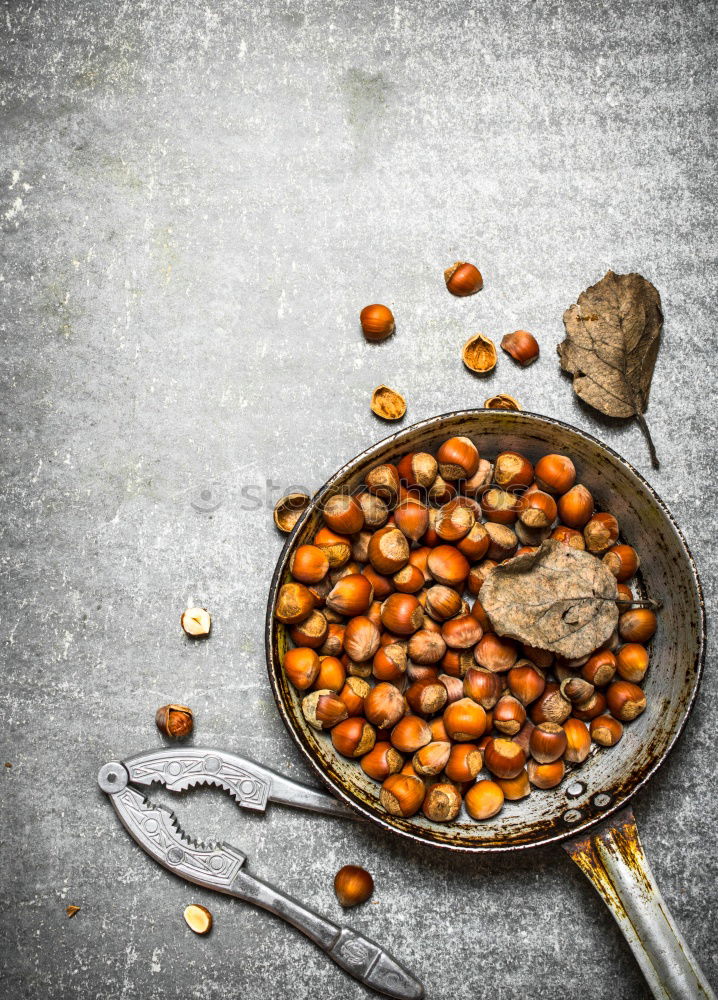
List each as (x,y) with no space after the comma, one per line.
(397,655)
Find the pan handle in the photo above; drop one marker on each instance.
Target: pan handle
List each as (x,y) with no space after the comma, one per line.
(612,858)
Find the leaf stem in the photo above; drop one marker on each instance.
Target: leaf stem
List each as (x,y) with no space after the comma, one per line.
(647,434)
(645,603)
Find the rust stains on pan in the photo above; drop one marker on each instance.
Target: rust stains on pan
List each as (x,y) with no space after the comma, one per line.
(609,778)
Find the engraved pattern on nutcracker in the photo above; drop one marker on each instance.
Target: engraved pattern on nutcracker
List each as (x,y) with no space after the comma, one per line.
(158,831)
(188,768)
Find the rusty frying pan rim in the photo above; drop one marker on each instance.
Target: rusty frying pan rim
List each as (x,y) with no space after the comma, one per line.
(335,785)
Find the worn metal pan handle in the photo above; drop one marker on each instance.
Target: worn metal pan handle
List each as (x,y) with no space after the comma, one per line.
(614,861)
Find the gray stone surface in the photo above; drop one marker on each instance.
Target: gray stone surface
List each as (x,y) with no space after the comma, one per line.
(196,200)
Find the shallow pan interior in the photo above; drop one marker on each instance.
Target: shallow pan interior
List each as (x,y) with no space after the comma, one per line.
(609,777)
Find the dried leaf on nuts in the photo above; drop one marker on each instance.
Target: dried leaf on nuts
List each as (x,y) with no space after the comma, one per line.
(479,354)
(387,403)
(557,598)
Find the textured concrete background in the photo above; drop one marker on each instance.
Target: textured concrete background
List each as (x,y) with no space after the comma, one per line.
(196,200)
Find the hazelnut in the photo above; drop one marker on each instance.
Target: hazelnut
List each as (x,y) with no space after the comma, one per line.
(390,662)
(637,625)
(353,737)
(605,730)
(465,720)
(601,533)
(294,604)
(402,794)
(311,632)
(323,709)
(546,775)
(496,653)
(537,510)
(626,701)
(388,550)
(332,675)
(197,622)
(484,799)
(301,665)
(353,885)
(632,662)
(418,469)
(500,506)
(454,687)
(337,548)
(376,514)
(377,322)
(175,721)
(512,470)
(353,693)
(509,715)
(426,647)
(442,802)
(600,668)
(463,279)
(448,566)
(454,521)
(521,345)
(475,545)
(383,481)
(381,761)
(361,638)
(555,474)
(575,507)
(551,706)
(309,564)
(442,602)
(547,742)
(343,514)
(352,595)
(426,697)
(482,686)
(464,763)
(410,734)
(576,689)
(526,682)
(412,518)
(502,541)
(384,705)
(504,758)
(458,458)
(432,758)
(578,741)
(591,707)
(462,632)
(402,614)
(515,788)
(622,561)
(569,536)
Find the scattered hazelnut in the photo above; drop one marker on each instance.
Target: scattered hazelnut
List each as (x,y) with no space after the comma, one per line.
(198,918)
(174,721)
(387,404)
(521,345)
(353,885)
(196,622)
(463,279)
(377,322)
(479,354)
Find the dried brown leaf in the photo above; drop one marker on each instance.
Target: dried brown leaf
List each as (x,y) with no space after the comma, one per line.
(612,338)
(558,598)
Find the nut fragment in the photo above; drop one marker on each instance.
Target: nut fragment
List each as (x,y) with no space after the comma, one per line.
(198,918)
(174,721)
(196,622)
(387,404)
(289,509)
(72,910)
(479,354)
(502,402)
